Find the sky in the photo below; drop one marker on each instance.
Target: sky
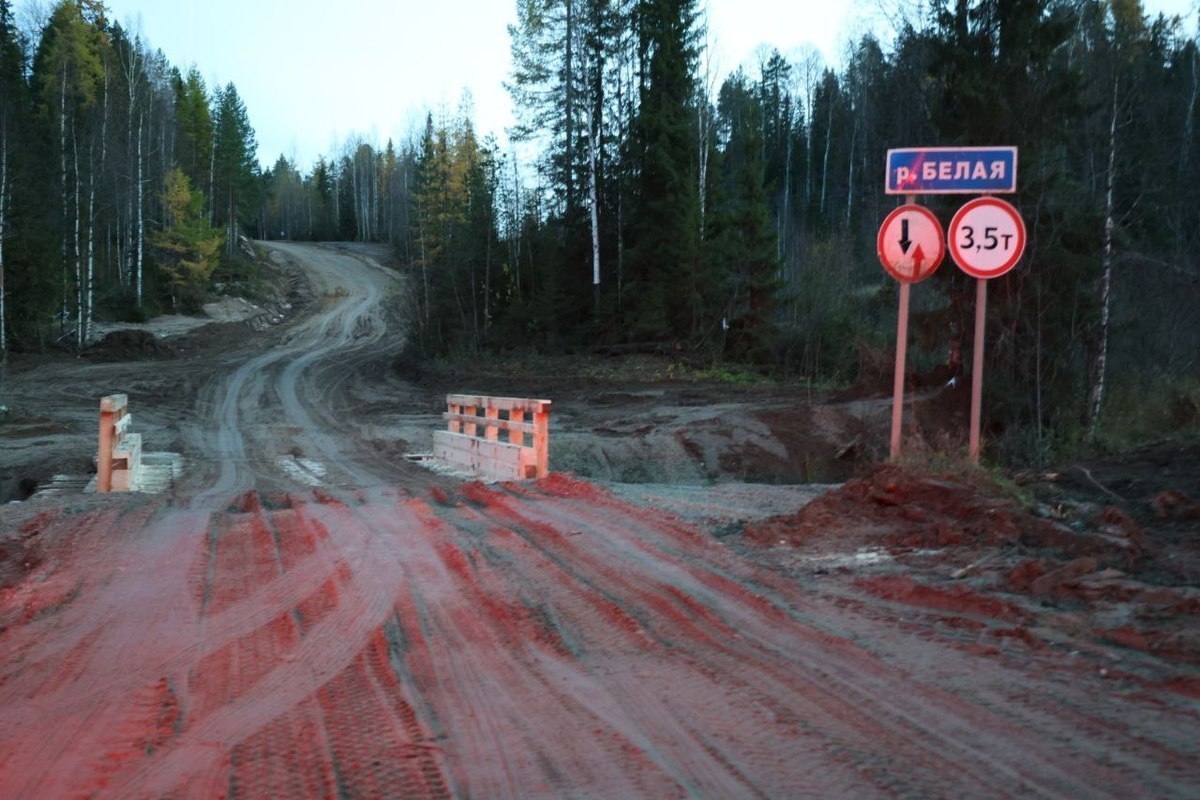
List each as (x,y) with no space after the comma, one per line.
(314,75)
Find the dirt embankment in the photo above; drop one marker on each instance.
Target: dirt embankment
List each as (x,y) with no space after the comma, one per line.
(1107,580)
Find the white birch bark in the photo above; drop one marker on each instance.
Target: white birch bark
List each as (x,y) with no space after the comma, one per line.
(1100,360)
(825,161)
(141,211)
(850,177)
(518,227)
(594,202)
(1190,117)
(569,104)
(810,65)
(127,236)
(704,129)
(131,66)
(3,219)
(356,195)
(91,250)
(79,280)
(62,171)
(212,179)
(785,221)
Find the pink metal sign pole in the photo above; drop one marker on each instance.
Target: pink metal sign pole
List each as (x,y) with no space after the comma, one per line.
(987,239)
(911,246)
(977,366)
(898,383)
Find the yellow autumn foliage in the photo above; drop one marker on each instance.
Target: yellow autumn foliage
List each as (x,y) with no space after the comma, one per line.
(187,248)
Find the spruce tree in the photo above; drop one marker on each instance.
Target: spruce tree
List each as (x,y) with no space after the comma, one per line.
(744,237)
(14,112)
(235,167)
(665,287)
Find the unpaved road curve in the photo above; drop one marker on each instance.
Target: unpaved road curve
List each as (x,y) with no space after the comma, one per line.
(389,633)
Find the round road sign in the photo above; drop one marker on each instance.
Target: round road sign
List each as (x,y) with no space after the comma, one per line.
(987,237)
(910,244)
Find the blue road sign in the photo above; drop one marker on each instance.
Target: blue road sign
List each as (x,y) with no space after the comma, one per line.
(952,170)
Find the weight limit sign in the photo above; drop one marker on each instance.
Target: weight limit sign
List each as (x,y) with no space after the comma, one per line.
(987,238)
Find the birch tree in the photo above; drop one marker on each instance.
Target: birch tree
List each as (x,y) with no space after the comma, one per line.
(68,70)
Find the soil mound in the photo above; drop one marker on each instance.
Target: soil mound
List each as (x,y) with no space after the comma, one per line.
(128,345)
(969,554)
(911,510)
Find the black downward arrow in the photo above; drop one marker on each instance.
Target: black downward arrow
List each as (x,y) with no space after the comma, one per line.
(905,242)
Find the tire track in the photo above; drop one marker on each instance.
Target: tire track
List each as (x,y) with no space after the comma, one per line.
(943,741)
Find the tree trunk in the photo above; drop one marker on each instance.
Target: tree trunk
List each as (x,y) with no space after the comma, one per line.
(594,202)
(703,129)
(79,279)
(212,180)
(141,214)
(130,269)
(3,219)
(127,233)
(850,177)
(1189,118)
(825,161)
(91,247)
(518,225)
(569,105)
(785,222)
(62,171)
(1100,358)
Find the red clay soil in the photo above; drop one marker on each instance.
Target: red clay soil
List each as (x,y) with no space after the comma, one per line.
(524,641)
(968,558)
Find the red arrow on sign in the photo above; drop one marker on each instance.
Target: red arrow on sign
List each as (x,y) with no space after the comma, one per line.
(918,259)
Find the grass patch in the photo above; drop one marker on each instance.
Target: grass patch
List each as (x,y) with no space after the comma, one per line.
(1137,412)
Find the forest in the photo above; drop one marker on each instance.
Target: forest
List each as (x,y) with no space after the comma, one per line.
(645,203)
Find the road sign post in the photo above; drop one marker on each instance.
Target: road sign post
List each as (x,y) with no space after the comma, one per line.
(987,239)
(911,247)
(977,368)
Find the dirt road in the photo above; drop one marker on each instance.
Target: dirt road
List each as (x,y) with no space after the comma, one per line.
(310,616)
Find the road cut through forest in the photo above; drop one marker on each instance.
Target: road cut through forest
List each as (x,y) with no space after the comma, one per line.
(307,615)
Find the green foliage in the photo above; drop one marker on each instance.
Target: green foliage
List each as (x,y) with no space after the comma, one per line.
(461,282)
(68,68)
(665,299)
(194,123)
(1144,410)
(741,231)
(235,165)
